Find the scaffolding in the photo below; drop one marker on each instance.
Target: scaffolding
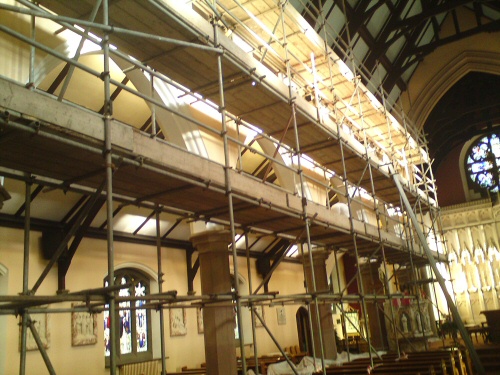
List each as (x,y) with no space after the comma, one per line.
(336,169)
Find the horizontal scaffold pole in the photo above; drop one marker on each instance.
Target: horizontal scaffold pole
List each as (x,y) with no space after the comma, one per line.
(108,29)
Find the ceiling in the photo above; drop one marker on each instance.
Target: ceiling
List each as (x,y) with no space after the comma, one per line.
(387,39)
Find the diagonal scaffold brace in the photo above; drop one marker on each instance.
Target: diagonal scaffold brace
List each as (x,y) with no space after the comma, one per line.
(432,262)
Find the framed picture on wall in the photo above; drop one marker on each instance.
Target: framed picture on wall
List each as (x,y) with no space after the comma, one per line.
(281,315)
(178,322)
(83,328)
(41,325)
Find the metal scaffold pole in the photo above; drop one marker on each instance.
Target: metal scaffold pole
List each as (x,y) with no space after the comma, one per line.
(309,314)
(415,274)
(31,78)
(451,305)
(250,288)
(109,192)
(361,290)
(303,193)
(26,257)
(341,306)
(39,344)
(160,291)
(384,260)
(227,168)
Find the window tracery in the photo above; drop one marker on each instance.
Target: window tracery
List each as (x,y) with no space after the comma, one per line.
(133,320)
(483,163)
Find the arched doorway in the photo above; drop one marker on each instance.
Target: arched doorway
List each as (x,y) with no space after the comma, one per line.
(304,330)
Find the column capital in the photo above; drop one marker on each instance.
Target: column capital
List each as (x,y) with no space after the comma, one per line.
(318,257)
(211,241)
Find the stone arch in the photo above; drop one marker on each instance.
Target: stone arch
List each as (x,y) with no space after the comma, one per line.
(456,68)
(149,272)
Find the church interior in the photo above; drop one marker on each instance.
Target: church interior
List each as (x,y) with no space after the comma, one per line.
(249,187)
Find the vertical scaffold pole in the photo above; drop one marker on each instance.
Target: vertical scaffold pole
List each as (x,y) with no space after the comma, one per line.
(154,130)
(354,235)
(250,288)
(332,90)
(31,79)
(302,189)
(160,290)
(341,306)
(361,290)
(415,277)
(309,315)
(384,261)
(227,168)
(109,190)
(26,257)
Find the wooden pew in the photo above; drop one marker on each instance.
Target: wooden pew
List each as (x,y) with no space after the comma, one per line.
(429,362)
(454,360)
(141,368)
(153,367)
(382,370)
(263,362)
(490,358)
(187,371)
(435,366)
(294,353)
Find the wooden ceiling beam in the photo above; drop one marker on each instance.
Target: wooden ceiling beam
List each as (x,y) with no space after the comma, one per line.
(435,9)
(310,12)
(380,45)
(424,50)
(357,20)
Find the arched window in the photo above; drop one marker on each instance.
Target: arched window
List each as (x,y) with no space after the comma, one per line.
(133,321)
(483,162)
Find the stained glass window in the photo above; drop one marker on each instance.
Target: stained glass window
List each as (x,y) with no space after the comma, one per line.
(132,319)
(483,163)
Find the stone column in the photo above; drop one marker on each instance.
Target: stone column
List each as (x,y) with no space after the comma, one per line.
(325,311)
(218,321)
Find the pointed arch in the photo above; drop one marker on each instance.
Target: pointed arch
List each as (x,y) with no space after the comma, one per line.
(443,79)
